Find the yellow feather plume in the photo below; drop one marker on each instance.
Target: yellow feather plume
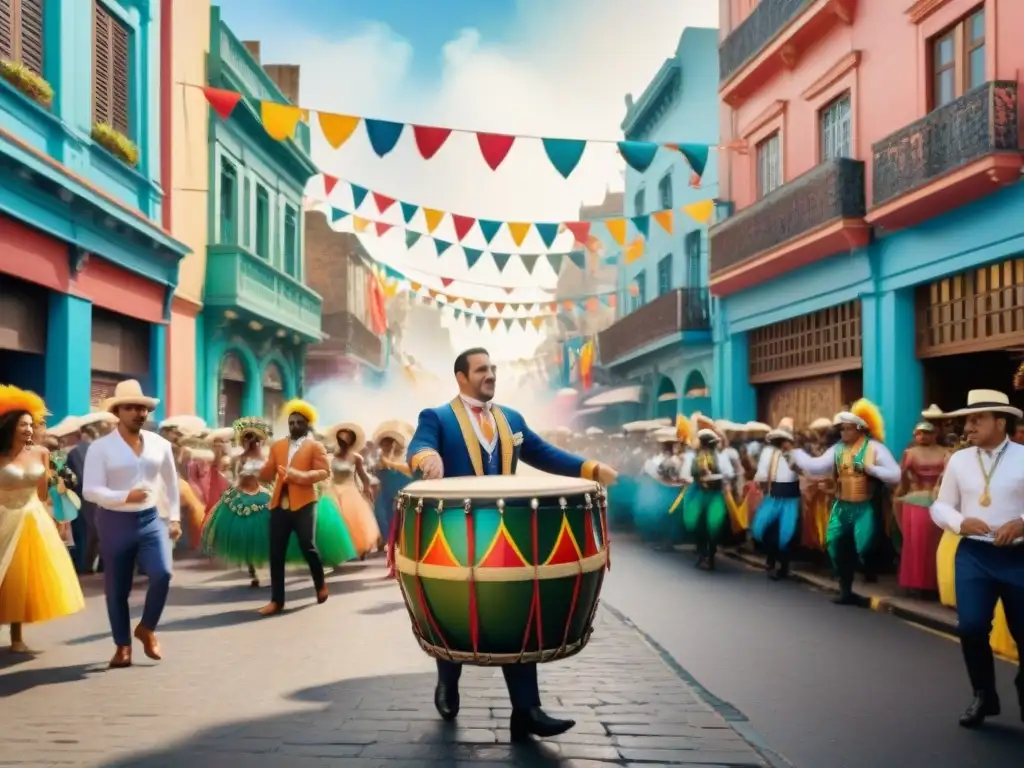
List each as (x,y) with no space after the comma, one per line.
(684,429)
(15,399)
(868,411)
(302,408)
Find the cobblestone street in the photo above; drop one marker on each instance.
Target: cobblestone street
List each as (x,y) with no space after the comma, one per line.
(338,684)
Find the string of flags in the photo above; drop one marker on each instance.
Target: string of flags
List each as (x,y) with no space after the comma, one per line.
(280,121)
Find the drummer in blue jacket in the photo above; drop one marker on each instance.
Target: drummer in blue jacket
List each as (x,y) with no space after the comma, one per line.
(473,436)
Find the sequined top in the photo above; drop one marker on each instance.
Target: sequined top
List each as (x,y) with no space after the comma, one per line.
(250,468)
(342,470)
(18,485)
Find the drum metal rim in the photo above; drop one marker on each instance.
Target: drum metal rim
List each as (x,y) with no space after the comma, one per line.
(475,488)
(501,659)
(410,567)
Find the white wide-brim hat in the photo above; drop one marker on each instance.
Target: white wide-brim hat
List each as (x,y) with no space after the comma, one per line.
(933,412)
(331,434)
(129,392)
(708,434)
(66,426)
(821,423)
(986,401)
(396,429)
(779,434)
(224,433)
(756,427)
(184,424)
(665,435)
(96,417)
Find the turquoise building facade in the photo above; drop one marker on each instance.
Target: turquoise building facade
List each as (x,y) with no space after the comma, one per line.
(259,315)
(662,341)
(87,271)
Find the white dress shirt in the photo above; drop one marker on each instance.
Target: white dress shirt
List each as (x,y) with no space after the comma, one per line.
(783,471)
(725,467)
(293,447)
(112,470)
(963,483)
(470,403)
(885,467)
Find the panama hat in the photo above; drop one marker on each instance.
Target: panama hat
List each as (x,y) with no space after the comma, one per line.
(782,432)
(986,401)
(129,392)
(396,429)
(96,417)
(65,427)
(184,424)
(224,433)
(347,426)
(821,423)
(758,427)
(933,412)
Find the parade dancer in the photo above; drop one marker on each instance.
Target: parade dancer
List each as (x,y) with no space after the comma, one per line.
(980,499)
(125,472)
(472,436)
(705,512)
(351,487)
(296,465)
(858,461)
(777,521)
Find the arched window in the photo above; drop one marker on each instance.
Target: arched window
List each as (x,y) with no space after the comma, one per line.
(232,389)
(273,392)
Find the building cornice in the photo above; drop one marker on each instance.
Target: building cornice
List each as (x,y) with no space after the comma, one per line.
(922,9)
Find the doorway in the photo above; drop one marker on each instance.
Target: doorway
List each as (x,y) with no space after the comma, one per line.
(947,380)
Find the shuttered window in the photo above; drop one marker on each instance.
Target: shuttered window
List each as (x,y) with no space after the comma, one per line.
(110,76)
(21,32)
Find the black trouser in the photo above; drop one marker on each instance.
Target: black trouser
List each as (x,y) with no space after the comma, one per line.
(301,522)
(520,679)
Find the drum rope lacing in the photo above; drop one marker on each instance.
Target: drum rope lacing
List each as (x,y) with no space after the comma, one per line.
(435,630)
(474,624)
(588,508)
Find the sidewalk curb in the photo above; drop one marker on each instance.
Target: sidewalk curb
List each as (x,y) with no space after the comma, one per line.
(736,719)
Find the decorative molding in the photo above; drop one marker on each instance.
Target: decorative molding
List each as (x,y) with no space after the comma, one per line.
(922,9)
(834,73)
(78,259)
(774,109)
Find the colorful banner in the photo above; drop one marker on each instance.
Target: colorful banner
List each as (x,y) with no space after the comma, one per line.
(564,154)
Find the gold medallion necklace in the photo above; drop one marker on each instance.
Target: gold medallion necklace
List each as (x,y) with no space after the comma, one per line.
(986,497)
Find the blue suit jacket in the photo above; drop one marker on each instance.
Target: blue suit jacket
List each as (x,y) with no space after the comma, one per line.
(448,432)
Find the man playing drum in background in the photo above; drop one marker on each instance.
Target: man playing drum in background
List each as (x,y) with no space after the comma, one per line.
(471,436)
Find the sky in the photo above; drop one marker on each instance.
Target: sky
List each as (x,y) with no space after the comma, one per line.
(558,68)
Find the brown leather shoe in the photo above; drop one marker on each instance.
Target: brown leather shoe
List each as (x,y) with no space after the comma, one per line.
(322,594)
(271,609)
(122,657)
(150,645)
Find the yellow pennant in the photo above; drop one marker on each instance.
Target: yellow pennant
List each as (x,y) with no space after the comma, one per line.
(617,229)
(701,211)
(634,251)
(537,321)
(433,218)
(665,219)
(337,129)
(519,230)
(360,224)
(415,287)
(280,120)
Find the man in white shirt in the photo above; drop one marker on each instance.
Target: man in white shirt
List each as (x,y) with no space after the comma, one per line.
(124,473)
(982,499)
(778,517)
(705,513)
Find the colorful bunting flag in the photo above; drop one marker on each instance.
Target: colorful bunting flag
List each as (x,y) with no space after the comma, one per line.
(463,225)
(494,147)
(383,135)
(337,129)
(408,212)
(430,139)
(382,202)
(433,218)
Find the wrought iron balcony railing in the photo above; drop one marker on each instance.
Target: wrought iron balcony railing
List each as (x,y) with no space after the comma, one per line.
(755,32)
(684,309)
(349,337)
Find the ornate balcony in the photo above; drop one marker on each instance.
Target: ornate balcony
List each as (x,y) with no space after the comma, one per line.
(955,154)
(671,314)
(348,337)
(812,217)
(241,281)
(773,37)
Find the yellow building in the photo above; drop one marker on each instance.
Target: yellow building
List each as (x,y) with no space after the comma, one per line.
(189,123)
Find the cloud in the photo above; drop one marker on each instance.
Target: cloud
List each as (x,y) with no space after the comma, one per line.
(563,69)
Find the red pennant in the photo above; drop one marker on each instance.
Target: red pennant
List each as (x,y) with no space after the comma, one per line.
(383,202)
(329,183)
(381,227)
(446,281)
(430,139)
(462,224)
(494,147)
(580,230)
(222,102)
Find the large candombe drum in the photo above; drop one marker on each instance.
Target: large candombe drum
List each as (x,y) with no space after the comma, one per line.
(501,569)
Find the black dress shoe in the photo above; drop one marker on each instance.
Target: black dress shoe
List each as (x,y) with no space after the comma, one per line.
(983,706)
(446,700)
(535,722)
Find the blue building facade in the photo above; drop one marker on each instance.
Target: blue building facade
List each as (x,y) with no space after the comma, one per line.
(87,271)
(662,340)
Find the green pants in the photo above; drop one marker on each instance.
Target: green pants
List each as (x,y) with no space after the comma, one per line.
(850,534)
(704,517)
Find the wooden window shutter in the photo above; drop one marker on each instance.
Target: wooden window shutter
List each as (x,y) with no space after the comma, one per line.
(21,33)
(7,29)
(110,61)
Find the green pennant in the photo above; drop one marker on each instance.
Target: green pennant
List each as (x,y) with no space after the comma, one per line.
(555,259)
(579,258)
(441,246)
(501,260)
(411,238)
(472,256)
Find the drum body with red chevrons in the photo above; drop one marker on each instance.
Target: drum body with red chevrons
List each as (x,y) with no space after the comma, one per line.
(501,569)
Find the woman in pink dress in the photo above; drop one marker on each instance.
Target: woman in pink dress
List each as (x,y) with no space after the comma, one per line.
(923,463)
(351,487)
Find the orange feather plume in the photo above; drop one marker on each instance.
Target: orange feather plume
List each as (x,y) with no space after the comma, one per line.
(869,413)
(15,399)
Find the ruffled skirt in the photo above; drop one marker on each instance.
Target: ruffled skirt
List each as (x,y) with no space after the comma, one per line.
(333,540)
(238,530)
(358,517)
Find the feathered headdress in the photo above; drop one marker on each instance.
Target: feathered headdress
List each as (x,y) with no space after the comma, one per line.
(302,408)
(251,425)
(684,430)
(13,399)
(868,412)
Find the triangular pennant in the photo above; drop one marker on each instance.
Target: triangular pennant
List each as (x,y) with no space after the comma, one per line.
(617,229)
(494,147)
(522,322)
(696,155)
(359,224)
(433,217)
(337,129)
(701,211)
(430,139)
(463,225)
(508,322)
(337,214)
(330,182)
(222,102)
(579,258)
(472,256)
(529,261)
(383,202)
(638,154)
(501,260)
(415,287)
(457,313)
(446,281)
(408,211)
(493,322)
(499,306)
(642,224)
(489,228)
(358,195)
(411,238)
(519,230)
(634,251)
(564,154)
(548,232)
(279,120)
(441,246)
(383,135)
(381,227)
(580,230)
(537,321)
(665,219)
(432,293)
(480,319)
(484,305)
(555,259)
(508,289)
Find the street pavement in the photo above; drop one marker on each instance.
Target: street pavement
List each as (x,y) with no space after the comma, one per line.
(824,685)
(339,684)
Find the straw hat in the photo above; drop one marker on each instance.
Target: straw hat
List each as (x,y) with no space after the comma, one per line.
(96,417)
(665,435)
(224,433)
(705,428)
(331,434)
(987,401)
(933,412)
(759,427)
(592,431)
(782,432)
(396,429)
(185,424)
(821,423)
(129,392)
(66,426)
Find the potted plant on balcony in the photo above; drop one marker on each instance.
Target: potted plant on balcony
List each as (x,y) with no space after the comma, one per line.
(116,143)
(28,82)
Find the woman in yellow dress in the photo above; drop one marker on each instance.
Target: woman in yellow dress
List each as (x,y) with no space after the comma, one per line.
(37,577)
(351,485)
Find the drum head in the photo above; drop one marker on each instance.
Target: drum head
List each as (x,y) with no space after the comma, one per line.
(500,486)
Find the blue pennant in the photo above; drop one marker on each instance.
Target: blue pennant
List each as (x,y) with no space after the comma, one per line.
(358,195)
(383,134)
(472,256)
(696,155)
(579,258)
(501,259)
(480,320)
(489,228)
(441,246)
(337,214)
(530,261)
(457,313)
(638,154)
(642,224)
(547,232)
(408,211)
(564,154)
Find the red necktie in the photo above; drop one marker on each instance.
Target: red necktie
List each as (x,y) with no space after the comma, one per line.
(484,420)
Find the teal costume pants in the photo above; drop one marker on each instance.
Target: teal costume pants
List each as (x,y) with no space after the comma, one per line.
(704,517)
(850,534)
